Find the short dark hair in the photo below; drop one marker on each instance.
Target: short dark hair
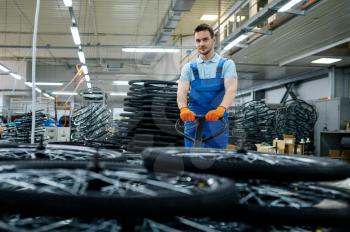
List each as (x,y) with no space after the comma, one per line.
(204,27)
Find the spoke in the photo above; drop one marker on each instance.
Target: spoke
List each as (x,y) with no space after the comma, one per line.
(55,225)
(196,225)
(114,182)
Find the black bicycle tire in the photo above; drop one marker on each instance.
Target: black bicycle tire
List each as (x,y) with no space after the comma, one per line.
(112,206)
(259,215)
(328,215)
(152,82)
(67,145)
(327,170)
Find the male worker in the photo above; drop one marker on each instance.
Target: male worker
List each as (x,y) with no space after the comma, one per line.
(211,82)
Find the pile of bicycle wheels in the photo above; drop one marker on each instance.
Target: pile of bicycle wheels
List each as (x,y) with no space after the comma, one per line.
(93,121)
(275,192)
(254,123)
(22,131)
(151,113)
(296,118)
(65,187)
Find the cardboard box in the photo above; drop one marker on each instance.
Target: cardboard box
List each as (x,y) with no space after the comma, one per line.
(345,153)
(280,144)
(289,149)
(231,147)
(335,153)
(289,141)
(264,148)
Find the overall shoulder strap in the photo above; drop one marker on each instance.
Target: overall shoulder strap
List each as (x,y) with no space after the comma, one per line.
(194,68)
(220,67)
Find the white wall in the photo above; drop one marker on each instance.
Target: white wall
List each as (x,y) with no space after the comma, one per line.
(167,67)
(1,103)
(309,90)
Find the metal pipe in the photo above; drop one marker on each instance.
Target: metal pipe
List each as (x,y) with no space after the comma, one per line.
(219,26)
(48,46)
(69,34)
(35,32)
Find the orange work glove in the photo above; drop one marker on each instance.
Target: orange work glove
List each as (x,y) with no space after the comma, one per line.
(186,114)
(214,115)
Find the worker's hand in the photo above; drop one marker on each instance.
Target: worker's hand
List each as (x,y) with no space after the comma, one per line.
(186,114)
(216,114)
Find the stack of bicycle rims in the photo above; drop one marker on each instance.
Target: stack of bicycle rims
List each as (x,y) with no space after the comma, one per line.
(62,186)
(272,189)
(60,151)
(24,125)
(254,123)
(297,118)
(110,190)
(151,113)
(93,120)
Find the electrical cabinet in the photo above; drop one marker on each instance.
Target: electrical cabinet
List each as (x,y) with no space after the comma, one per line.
(330,140)
(63,134)
(50,134)
(57,134)
(333,115)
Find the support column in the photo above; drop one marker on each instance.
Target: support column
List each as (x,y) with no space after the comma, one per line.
(339,82)
(253,8)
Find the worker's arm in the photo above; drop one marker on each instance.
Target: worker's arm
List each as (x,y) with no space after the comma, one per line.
(230,82)
(230,92)
(182,92)
(229,97)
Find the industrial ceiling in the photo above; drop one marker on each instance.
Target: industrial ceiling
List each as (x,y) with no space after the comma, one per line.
(106,26)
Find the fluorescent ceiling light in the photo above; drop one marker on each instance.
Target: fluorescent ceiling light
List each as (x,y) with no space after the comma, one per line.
(120,82)
(46,95)
(64,93)
(159,50)
(81,57)
(75,34)
(289,5)
(235,42)
(38,90)
(85,69)
(325,61)
(18,77)
(43,83)
(118,94)
(67,3)
(209,17)
(89,85)
(3,68)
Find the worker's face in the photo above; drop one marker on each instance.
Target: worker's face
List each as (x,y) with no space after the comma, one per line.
(204,42)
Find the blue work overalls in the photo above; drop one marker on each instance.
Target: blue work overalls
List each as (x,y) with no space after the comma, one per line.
(206,95)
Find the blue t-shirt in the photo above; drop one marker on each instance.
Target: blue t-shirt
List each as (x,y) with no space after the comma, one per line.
(207,69)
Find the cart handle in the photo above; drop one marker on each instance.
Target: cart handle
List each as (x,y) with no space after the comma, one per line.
(180,123)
